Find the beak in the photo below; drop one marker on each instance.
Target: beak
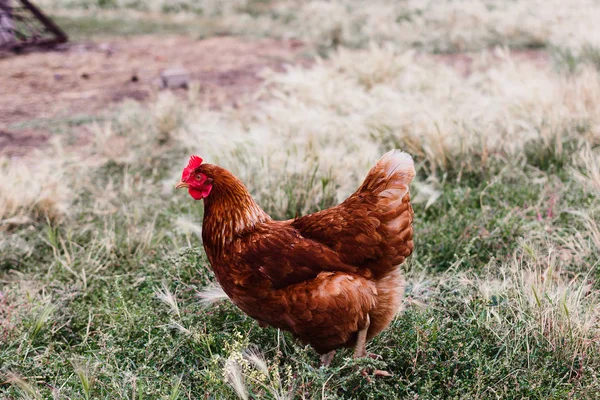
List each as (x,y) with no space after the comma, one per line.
(182,184)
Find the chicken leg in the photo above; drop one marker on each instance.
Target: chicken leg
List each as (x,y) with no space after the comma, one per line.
(360,350)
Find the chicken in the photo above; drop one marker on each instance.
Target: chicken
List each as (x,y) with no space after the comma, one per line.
(330,278)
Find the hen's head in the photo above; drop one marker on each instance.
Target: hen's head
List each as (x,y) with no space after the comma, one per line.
(198,183)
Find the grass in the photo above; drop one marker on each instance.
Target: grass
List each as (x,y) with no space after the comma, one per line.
(440,26)
(81,26)
(105,291)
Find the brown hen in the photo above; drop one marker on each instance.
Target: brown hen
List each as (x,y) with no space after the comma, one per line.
(330,278)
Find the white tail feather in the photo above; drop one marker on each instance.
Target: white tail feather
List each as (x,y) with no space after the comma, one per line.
(398,171)
(390,176)
(398,165)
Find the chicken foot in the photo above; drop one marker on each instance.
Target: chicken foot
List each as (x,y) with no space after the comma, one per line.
(360,350)
(327,358)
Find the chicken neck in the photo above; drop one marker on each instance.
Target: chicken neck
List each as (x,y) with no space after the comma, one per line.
(229,210)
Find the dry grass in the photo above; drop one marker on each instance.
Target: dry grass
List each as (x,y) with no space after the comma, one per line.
(33,190)
(541,296)
(442,26)
(589,174)
(334,119)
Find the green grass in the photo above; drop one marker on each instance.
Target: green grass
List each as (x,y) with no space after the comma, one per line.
(85,27)
(92,326)
(57,125)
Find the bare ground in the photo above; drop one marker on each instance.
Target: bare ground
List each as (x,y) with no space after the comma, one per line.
(89,78)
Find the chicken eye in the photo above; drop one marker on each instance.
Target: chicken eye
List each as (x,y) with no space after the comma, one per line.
(198,177)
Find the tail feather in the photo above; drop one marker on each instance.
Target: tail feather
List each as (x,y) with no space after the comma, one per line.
(372,229)
(389,181)
(390,176)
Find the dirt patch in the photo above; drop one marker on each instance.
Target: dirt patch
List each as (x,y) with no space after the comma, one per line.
(87,78)
(17,143)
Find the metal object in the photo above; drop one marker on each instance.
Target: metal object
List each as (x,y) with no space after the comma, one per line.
(25,25)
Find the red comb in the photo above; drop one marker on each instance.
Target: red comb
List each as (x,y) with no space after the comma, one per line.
(194,163)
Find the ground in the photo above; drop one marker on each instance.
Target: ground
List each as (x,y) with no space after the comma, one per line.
(105,290)
(83,80)
(86,79)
